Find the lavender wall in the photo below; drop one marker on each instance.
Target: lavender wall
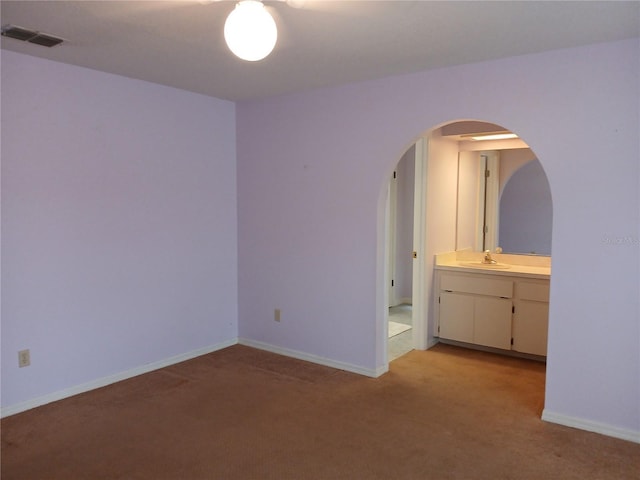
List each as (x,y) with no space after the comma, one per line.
(119,224)
(313,171)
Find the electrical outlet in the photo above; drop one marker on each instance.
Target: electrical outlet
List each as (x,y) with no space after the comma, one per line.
(24,358)
(276,314)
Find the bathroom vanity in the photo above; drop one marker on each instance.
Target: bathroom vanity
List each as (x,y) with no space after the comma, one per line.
(502,306)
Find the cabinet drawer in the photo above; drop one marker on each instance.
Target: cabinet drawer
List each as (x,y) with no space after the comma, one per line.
(538,292)
(477,284)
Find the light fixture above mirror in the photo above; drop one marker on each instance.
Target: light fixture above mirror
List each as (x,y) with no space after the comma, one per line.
(495,136)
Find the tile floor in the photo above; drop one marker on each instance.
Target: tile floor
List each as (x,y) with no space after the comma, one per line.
(402,343)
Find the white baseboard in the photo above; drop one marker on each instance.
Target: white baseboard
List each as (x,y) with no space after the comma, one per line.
(327,362)
(401,301)
(591,426)
(432,342)
(104,381)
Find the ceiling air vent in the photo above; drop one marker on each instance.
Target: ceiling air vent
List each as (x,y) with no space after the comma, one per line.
(31,36)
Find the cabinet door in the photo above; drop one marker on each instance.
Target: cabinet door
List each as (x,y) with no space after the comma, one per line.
(456,316)
(530,325)
(492,326)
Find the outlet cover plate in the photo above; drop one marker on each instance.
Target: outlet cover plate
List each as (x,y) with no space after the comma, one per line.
(24,358)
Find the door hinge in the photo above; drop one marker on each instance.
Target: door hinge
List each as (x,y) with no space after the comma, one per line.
(438,299)
(392,283)
(415,254)
(512,341)
(395,175)
(487,173)
(513,309)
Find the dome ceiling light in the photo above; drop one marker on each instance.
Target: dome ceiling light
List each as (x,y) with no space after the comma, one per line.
(250,31)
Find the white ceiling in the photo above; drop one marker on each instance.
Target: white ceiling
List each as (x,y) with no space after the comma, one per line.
(321,43)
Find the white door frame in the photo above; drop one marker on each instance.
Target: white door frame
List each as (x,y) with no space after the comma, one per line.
(419,295)
(392,225)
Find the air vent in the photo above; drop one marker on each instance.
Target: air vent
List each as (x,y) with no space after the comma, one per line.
(31,36)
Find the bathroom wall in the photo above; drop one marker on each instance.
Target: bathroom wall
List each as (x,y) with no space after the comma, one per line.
(119,231)
(311,227)
(441,207)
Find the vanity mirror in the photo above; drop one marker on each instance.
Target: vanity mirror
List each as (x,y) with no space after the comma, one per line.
(503,197)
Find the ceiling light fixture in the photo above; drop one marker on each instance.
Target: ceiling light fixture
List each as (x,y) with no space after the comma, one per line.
(250,31)
(495,136)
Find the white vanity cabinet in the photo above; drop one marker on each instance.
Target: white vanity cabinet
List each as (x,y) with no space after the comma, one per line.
(531,316)
(475,309)
(497,310)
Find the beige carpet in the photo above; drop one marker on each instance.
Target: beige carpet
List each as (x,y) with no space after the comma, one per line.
(241,413)
(396,328)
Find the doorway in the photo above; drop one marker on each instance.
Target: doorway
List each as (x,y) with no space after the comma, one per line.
(437,217)
(405,216)
(400,213)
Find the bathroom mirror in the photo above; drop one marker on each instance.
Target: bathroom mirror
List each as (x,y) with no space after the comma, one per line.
(504,200)
(503,197)
(526,211)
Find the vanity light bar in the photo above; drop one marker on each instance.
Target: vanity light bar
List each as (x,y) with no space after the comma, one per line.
(495,136)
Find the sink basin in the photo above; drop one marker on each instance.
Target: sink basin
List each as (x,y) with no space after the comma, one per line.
(490,266)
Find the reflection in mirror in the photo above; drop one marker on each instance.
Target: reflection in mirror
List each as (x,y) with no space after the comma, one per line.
(526,211)
(477,207)
(504,199)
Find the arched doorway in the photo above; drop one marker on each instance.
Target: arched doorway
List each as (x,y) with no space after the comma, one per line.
(457,206)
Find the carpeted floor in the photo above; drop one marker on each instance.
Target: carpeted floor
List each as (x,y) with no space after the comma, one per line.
(241,413)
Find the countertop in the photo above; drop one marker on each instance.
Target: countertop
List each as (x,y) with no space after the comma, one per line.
(451,263)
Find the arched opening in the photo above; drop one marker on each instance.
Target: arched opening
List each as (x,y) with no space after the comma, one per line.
(461,170)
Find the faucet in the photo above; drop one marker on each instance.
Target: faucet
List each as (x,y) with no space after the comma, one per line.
(487,257)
